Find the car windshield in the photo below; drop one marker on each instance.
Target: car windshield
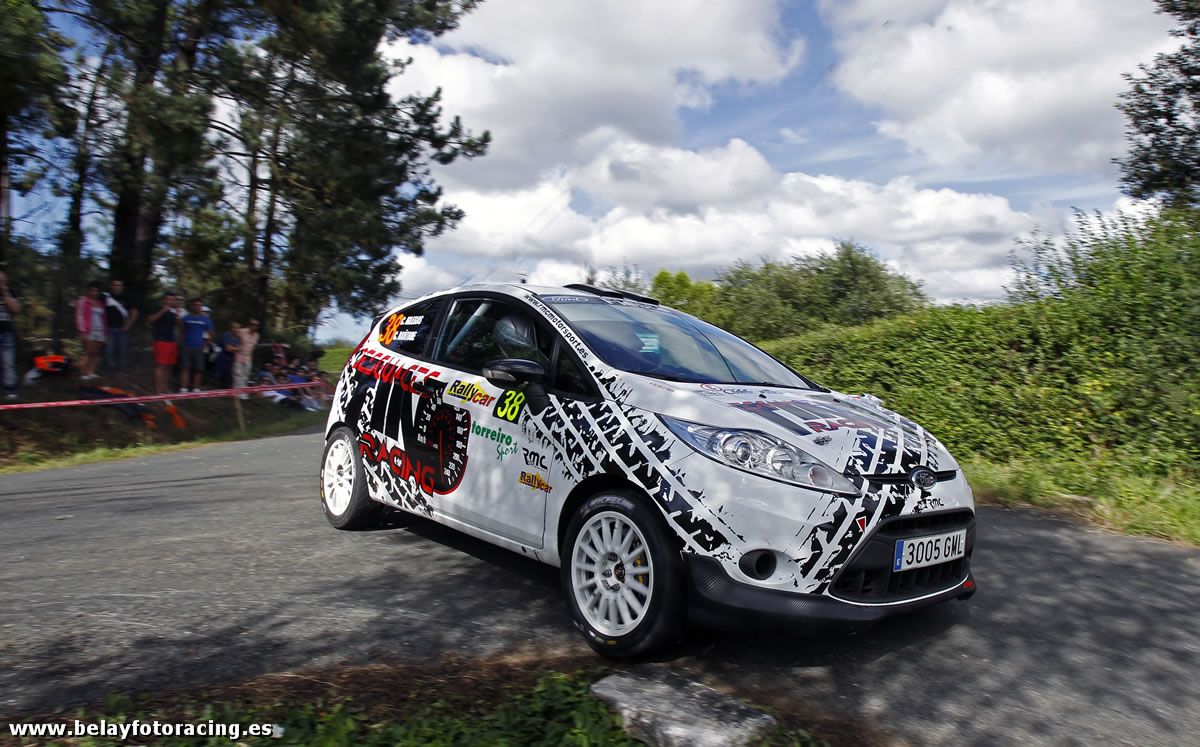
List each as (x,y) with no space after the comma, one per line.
(667,344)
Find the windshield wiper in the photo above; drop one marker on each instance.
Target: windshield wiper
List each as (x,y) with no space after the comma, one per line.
(670,377)
(767,383)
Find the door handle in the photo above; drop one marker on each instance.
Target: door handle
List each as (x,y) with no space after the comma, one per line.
(420,386)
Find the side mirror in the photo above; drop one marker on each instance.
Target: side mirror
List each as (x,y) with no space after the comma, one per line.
(507,372)
(871,398)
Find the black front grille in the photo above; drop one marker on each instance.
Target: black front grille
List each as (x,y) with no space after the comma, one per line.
(896,479)
(886,585)
(915,525)
(869,577)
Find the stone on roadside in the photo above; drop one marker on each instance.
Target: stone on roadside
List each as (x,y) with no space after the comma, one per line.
(665,709)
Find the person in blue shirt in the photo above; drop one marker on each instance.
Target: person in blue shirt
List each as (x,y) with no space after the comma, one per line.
(227,345)
(197,329)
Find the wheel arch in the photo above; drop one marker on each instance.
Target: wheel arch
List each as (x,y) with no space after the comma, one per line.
(590,487)
(331,427)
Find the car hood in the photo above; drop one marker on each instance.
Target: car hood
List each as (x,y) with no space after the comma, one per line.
(854,434)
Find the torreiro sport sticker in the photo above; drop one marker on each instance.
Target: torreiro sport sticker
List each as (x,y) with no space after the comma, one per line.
(494,434)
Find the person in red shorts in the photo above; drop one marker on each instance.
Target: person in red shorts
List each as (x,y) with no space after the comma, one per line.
(165,322)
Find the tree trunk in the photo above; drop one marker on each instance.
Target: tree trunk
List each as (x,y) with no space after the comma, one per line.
(268,256)
(126,260)
(271,226)
(180,77)
(5,194)
(250,230)
(70,241)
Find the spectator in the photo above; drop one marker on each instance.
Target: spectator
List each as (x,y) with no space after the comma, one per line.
(91,323)
(9,308)
(325,393)
(278,396)
(120,317)
(304,376)
(197,329)
(165,324)
(227,346)
(244,358)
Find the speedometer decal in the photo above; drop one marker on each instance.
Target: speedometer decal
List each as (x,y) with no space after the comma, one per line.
(440,440)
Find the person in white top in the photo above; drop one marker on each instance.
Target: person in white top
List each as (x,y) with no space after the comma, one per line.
(243,359)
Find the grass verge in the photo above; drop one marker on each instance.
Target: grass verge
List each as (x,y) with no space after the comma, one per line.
(1112,493)
(508,704)
(31,461)
(334,359)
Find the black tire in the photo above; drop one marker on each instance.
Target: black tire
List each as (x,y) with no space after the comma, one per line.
(361,512)
(663,622)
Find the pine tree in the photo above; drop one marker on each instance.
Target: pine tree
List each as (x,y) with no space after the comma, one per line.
(1163,111)
(32,75)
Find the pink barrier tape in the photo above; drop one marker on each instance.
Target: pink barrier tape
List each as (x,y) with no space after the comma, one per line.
(119,400)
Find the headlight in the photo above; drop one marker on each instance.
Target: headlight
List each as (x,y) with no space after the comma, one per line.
(760,454)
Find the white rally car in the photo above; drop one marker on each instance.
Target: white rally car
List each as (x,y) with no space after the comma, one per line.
(670,469)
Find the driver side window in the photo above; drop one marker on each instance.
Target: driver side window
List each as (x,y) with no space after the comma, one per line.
(482,330)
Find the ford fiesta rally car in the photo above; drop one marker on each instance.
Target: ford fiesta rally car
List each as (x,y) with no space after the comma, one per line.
(669,468)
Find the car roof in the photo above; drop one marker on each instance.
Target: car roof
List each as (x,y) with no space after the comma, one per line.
(510,288)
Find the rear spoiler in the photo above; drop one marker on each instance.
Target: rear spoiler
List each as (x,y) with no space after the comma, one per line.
(610,293)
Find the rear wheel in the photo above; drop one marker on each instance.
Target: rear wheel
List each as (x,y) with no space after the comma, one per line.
(343,484)
(622,576)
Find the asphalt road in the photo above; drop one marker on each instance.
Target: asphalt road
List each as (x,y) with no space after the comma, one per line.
(215,564)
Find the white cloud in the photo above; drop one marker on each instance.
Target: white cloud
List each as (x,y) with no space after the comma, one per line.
(529,221)
(702,210)
(418,276)
(542,76)
(583,100)
(983,82)
(635,174)
(557,272)
(793,135)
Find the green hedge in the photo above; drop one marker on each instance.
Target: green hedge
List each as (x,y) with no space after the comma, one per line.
(978,378)
(1032,380)
(1096,357)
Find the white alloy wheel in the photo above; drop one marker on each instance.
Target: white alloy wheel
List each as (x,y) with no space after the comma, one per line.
(338,477)
(611,573)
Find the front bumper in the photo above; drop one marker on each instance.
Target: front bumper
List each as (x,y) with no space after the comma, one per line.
(718,601)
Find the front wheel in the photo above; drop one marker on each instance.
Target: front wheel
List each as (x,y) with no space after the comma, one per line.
(343,485)
(621,572)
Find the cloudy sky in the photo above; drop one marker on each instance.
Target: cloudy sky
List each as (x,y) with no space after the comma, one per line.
(684,134)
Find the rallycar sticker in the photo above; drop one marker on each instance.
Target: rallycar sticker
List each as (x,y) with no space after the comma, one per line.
(471,392)
(534,481)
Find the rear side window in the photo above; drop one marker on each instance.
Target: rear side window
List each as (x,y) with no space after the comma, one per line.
(406,331)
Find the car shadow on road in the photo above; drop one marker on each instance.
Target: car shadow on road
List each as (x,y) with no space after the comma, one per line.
(1075,634)
(419,591)
(1073,631)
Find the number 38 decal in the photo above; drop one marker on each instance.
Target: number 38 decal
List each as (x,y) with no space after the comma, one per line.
(509,406)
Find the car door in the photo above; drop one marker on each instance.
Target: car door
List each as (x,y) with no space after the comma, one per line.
(506,487)
(413,450)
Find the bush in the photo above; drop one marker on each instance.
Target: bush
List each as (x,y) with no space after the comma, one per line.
(981,379)
(1094,358)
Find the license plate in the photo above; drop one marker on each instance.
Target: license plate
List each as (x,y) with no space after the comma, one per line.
(923,551)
